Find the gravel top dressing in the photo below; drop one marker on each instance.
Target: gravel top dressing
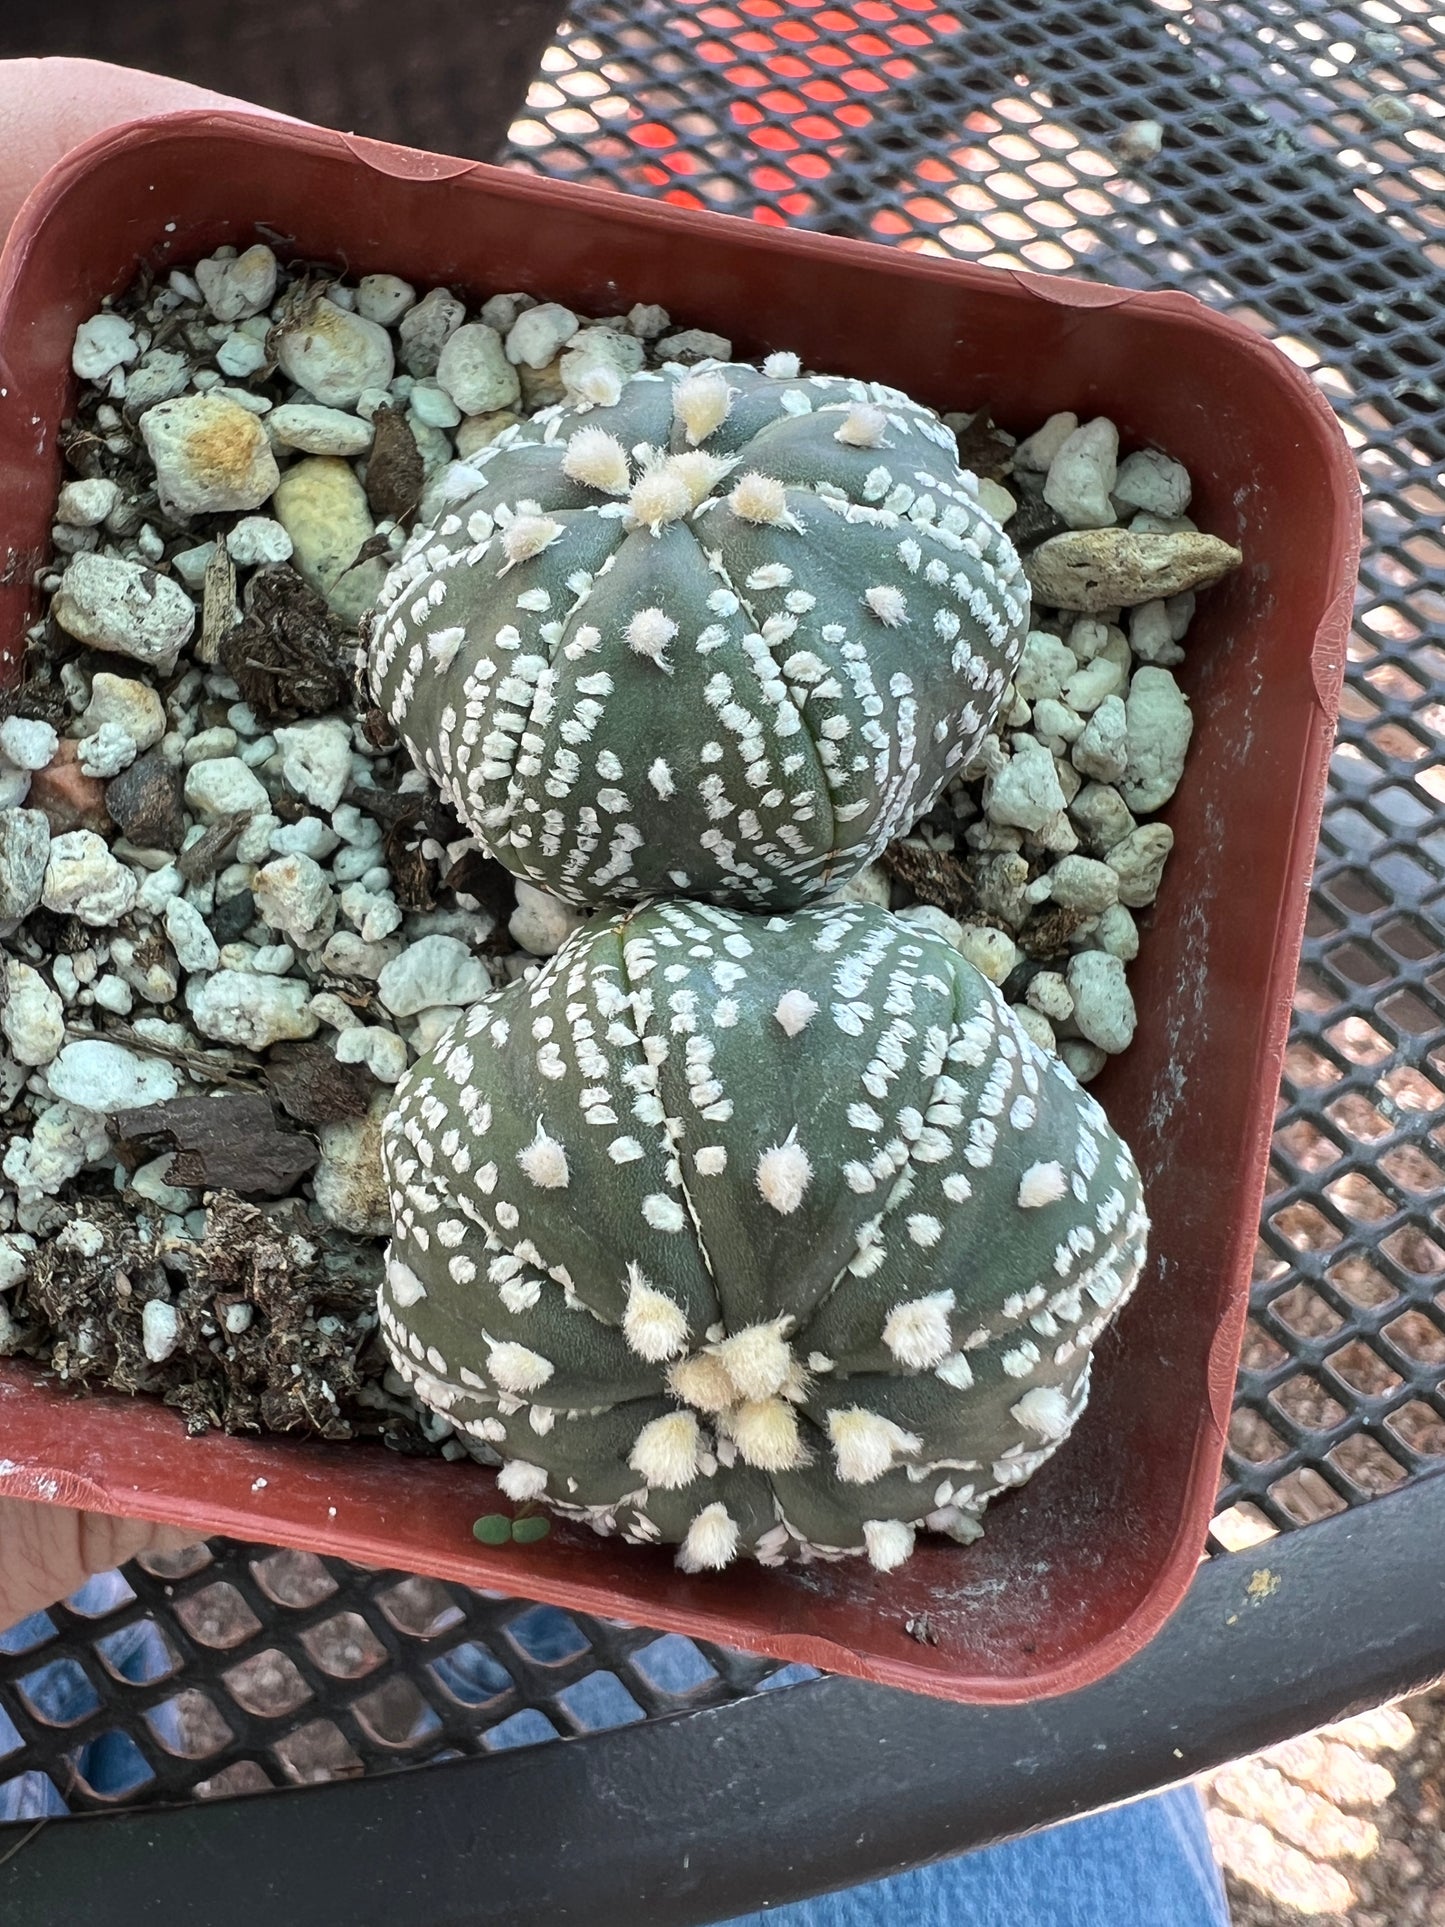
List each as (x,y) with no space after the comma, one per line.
(263,847)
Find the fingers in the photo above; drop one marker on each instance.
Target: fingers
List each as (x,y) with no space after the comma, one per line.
(105,1542)
(49,106)
(48,1551)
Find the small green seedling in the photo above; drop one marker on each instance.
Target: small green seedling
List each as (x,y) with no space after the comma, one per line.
(496,1529)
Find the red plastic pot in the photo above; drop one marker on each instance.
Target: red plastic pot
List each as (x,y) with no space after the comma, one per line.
(1082,1566)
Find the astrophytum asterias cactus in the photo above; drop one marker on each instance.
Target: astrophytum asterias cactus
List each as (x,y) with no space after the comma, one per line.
(762,1236)
(722,632)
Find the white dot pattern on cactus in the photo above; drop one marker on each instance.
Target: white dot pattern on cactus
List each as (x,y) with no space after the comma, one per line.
(837,1235)
(784,583)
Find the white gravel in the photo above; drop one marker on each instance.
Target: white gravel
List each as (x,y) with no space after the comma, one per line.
(124,607)
(435,970)
(97,1075)
(334,355)
(83,879)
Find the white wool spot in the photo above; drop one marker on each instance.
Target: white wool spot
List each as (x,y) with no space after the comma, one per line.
(521,1481)
(406,1287)
(956,1188)
(442,647)
(918,1333)
(1044,1410)
(663,1213)
(784,365)
(654,1325)
(544,1161)
(760,498)
(649,633)
(865,1444)
(862,427)
(600,383)
(888,1542)
(956,1371)
(924,1229)
(701,402)
(702,1381)
(659,496)
(666,1451)
(765,1431)
(516,1369)
(712,1540)
(1019,1362)
(795,1010)
(758,1360)
(1042,1184)
(784,1173)
(660,777)
(624,1150)
(887,603)
(597,460)
(528,535)
(711,1161)
(700,471)
(518,1294)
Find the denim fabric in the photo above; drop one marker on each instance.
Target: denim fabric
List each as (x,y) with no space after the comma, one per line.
(1144,1865)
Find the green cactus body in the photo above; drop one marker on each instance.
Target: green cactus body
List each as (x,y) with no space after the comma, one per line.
(770,1237)
(724,632)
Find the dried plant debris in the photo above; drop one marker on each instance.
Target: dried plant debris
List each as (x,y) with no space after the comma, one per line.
(250,1326)
(396,472)
(231,911)
(286,654)
(927,875)
(312,1087)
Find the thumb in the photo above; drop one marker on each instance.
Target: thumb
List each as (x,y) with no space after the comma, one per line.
(49,106)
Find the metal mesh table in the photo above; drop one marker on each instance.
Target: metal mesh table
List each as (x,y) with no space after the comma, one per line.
(1299,184)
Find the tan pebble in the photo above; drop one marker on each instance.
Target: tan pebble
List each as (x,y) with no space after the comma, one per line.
(541,387)
(1037,1026)
(480,431)
(323,508)
(990,951)
(995,498)
(1095,569)
(210,454)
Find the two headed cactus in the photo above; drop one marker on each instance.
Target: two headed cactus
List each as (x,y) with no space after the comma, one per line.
(720,632)
(774,1237)
(756,1234)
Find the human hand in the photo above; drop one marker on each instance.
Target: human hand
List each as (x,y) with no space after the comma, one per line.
(46,108)
(49,106)
(48,1552)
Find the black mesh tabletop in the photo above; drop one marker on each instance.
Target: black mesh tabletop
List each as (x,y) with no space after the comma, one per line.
(1283,160)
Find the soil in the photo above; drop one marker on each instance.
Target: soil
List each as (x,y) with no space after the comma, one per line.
(1342,1828)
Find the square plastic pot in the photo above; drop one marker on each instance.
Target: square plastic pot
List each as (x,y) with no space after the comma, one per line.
(1076,1571)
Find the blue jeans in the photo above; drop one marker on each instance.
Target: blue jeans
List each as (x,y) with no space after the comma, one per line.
(1148,1864)
(1144,1865)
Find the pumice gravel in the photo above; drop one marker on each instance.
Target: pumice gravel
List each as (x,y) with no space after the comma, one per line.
(233,871)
